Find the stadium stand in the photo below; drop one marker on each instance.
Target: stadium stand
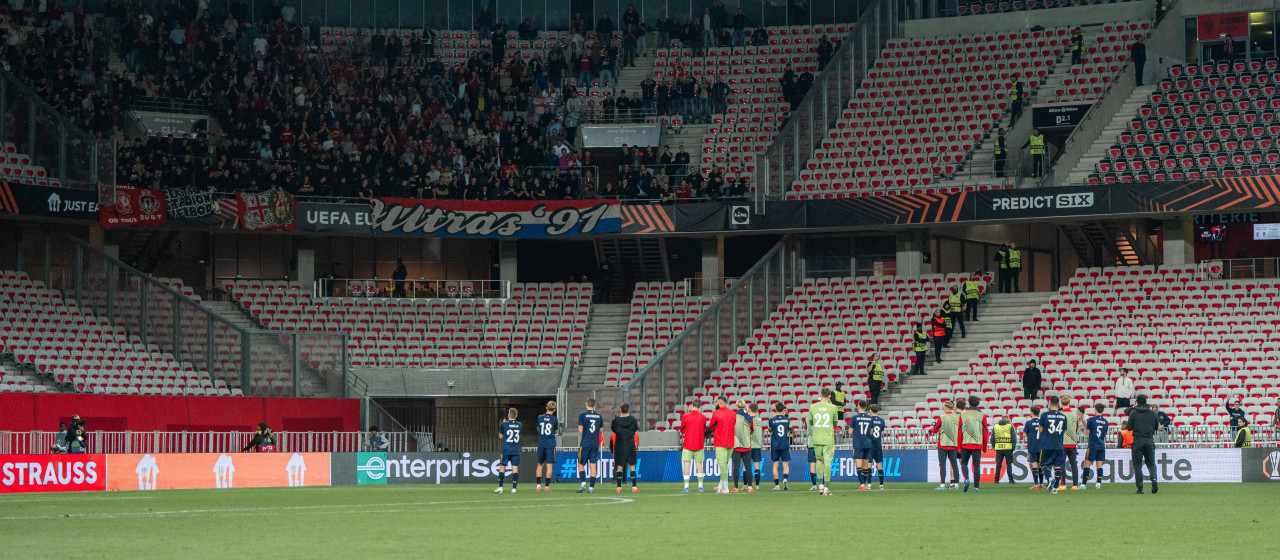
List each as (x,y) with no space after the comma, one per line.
(1202,121)
(1106,53)
(1190,342)
(923,110)
(979,7)
(539,326)
(70,346)
(823,333)
(659,313)
(756,105)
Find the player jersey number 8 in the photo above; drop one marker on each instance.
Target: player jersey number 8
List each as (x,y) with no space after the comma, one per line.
(822,420)
(875,432)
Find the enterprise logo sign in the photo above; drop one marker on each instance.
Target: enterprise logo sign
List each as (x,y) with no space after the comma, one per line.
(424,468)
(371,468)
(1043,202)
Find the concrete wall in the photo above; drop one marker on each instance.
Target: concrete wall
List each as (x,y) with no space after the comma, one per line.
(1019,21)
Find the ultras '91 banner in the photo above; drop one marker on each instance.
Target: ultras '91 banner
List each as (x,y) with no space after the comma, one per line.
(455,218)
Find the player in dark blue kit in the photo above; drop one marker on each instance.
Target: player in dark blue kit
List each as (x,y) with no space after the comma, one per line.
(509,432)
(589,425)
(1031,431)
(877,448)
(860,428)
(1053,426)
(548,428)
(780,444)
(1097,452)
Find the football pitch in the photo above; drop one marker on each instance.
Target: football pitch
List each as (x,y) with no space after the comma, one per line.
(470,521)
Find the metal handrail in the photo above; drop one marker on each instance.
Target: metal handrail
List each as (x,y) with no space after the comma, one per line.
(168,105)
(412,289)
(764,190)
(213,316)
(711,311)
(1238,269)
(41,442)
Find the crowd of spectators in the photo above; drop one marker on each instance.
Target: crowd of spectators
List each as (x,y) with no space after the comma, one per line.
(378,118)
(670,177)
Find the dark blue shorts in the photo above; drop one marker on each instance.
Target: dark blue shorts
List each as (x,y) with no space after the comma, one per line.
(862,453)
(546,455)
(1033,455)
(512,459)
(755,454)
(783,454)
(588,455)
(1052,458)
(877,454)
(812,458)
(1095,455)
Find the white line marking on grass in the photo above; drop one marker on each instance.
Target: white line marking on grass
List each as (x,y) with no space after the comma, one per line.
(313,509)
(79,496)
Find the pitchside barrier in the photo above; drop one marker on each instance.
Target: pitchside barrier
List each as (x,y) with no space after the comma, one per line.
(165,471)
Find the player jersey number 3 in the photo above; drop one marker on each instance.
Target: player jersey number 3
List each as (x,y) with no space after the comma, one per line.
(591,425)
(513,436)
(821,420)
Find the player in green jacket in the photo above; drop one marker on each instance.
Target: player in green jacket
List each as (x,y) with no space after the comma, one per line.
(822,420)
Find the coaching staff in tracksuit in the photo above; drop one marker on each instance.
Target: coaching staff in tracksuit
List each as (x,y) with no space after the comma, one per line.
(1144,423)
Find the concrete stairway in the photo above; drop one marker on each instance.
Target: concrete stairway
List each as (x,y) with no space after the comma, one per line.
(691,137)
(606,331)
(233,313)
(629,77)
(979,168)
(998,318)
(1079,174)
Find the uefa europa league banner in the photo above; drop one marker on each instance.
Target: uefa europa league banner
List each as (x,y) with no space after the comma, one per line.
(134,206)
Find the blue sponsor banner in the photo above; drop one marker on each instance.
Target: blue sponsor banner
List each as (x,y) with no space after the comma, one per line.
(665,466)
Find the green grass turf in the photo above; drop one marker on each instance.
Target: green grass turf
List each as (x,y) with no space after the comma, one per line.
(467,521)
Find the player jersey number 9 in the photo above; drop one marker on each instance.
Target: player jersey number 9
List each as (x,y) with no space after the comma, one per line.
(821,420)
(513,436)
(782,430)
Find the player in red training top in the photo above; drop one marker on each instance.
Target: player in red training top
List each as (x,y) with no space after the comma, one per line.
(693,432)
